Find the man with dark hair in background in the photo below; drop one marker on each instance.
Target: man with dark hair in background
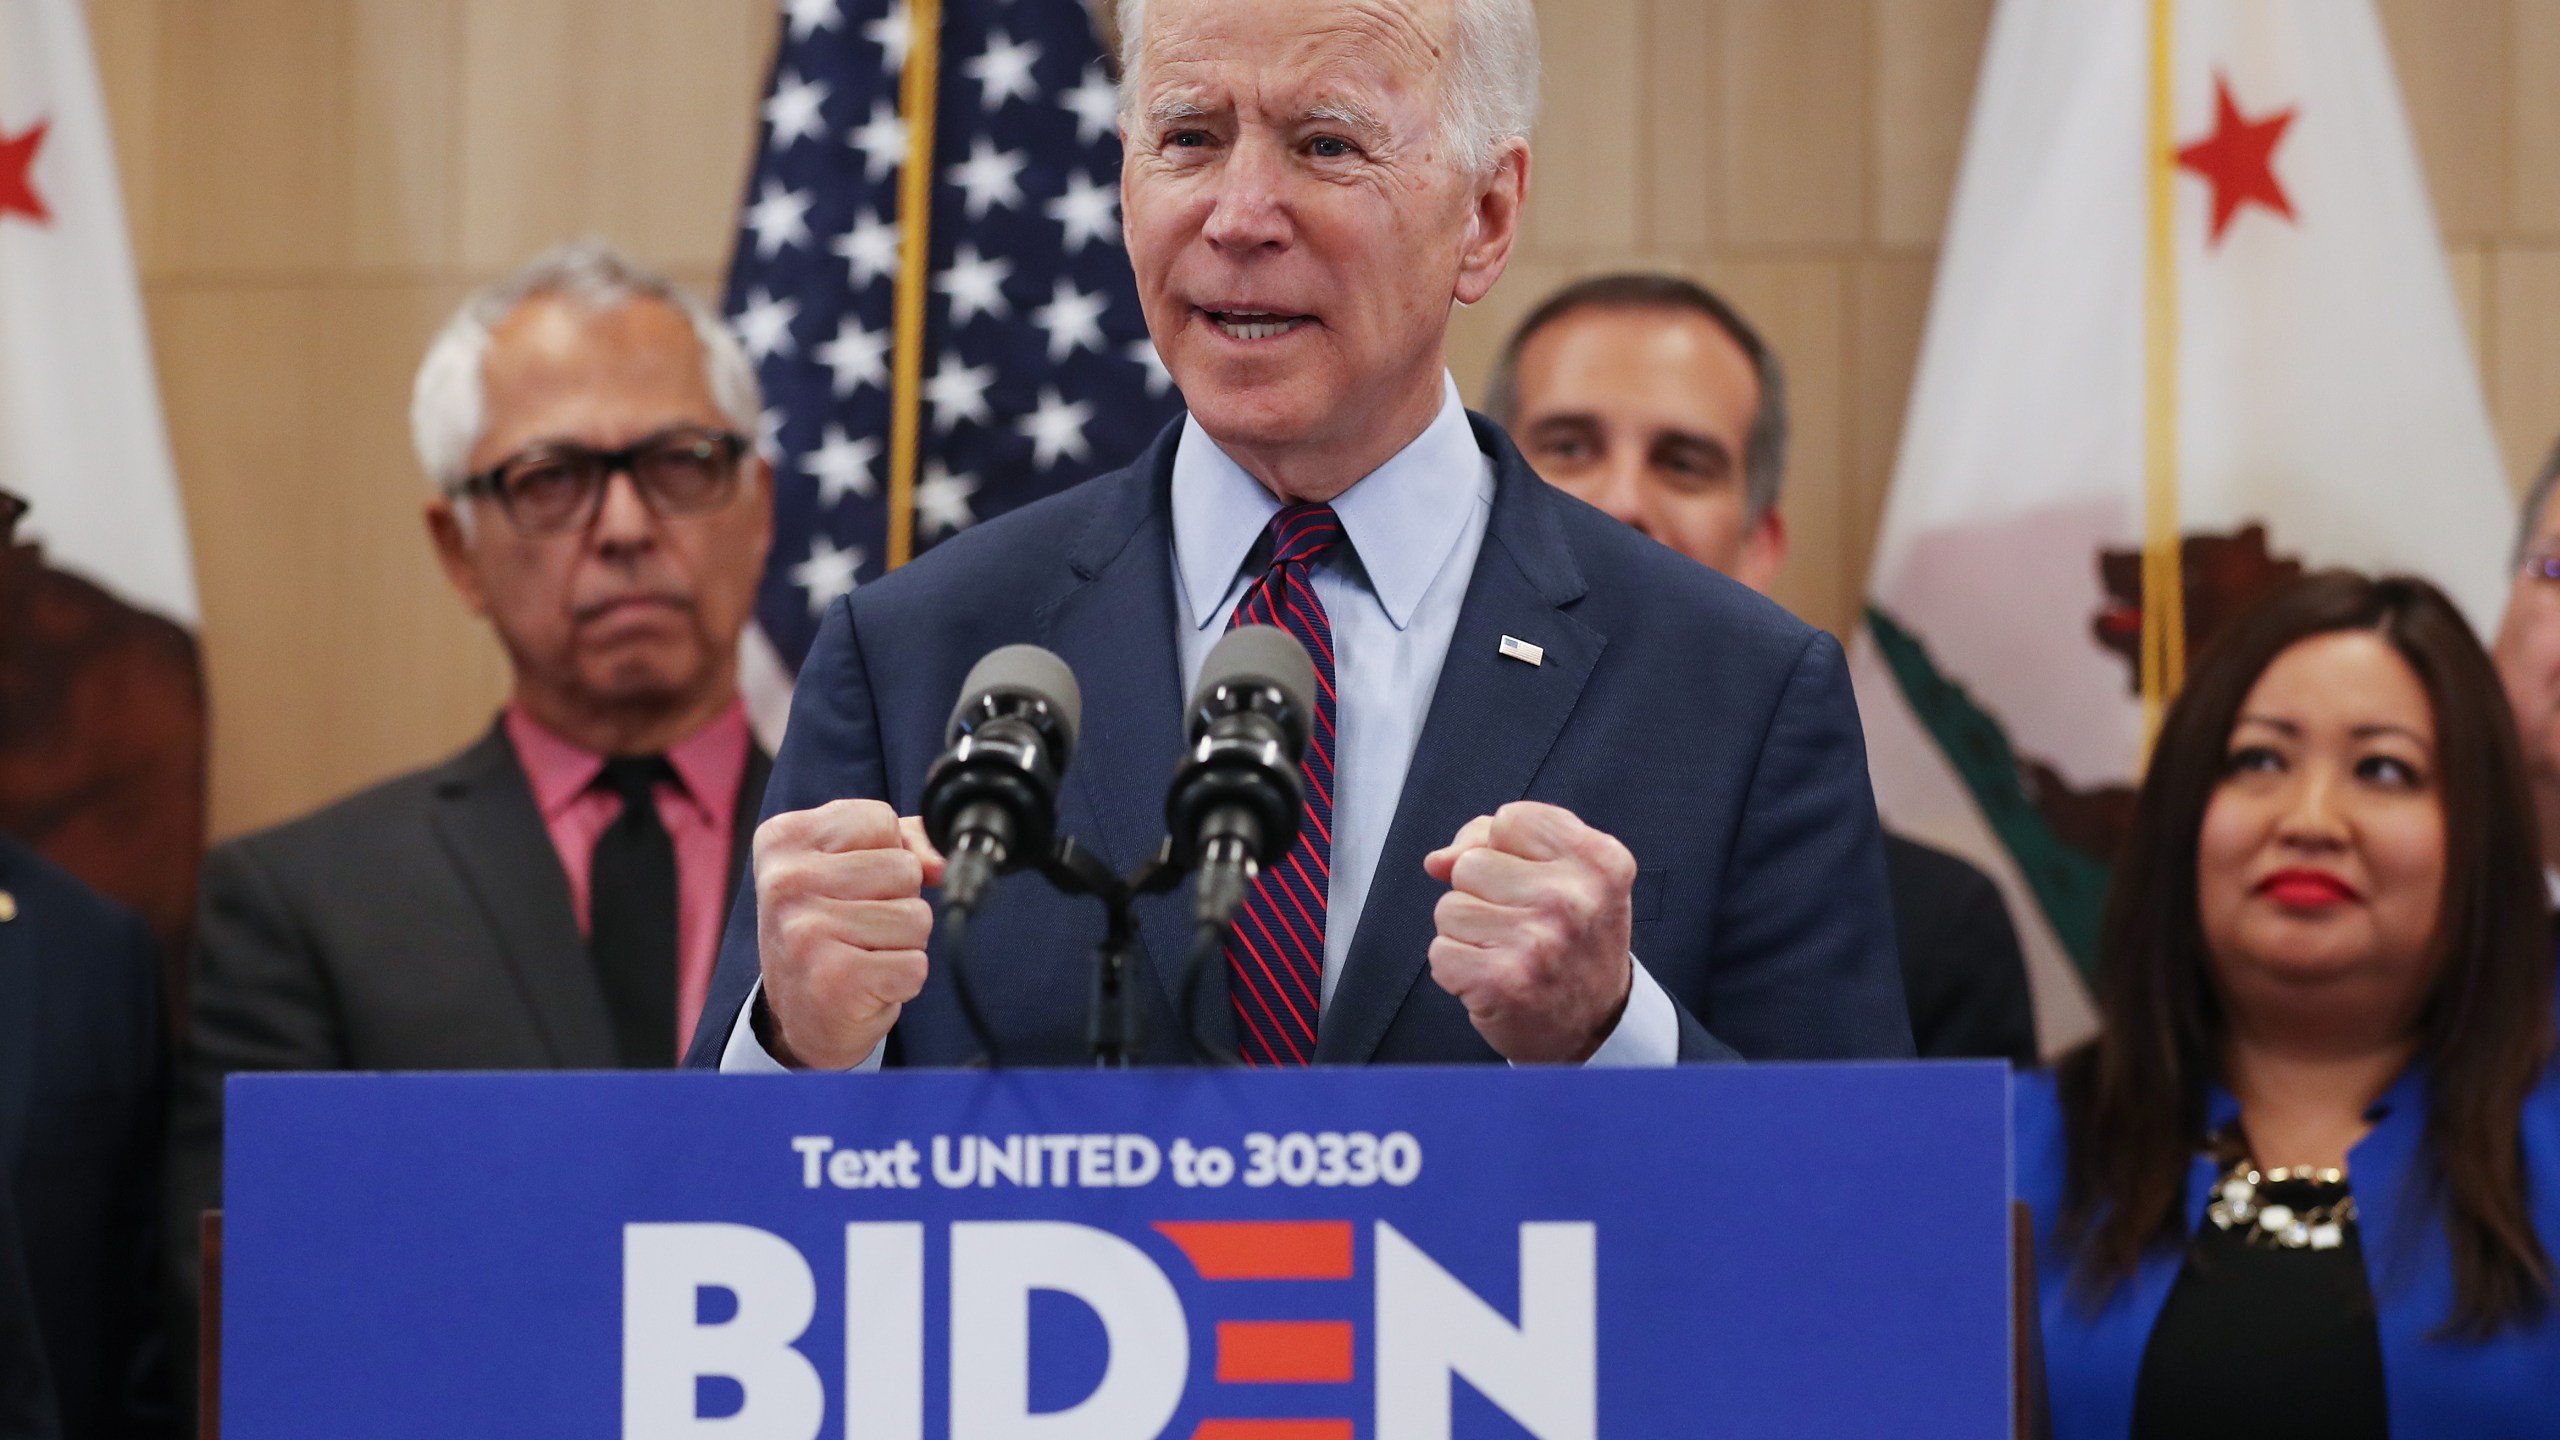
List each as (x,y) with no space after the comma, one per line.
(1653,399)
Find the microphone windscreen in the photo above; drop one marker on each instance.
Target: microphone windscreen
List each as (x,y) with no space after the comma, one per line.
(1268,654)
(1029,672)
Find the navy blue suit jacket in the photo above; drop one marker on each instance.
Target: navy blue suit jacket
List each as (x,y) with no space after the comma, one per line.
(81,1079)
(1702,725)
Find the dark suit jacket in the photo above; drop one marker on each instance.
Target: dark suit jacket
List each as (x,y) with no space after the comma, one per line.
(81,1080)
(1699,723)
(424,924)
(1962,972)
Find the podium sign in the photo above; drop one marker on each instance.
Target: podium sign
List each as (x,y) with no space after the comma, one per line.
(1393,1254)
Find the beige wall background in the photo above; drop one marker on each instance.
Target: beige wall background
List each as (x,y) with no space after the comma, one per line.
(315,183)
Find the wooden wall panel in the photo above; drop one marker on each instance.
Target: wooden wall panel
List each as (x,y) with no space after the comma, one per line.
(633,118)
(1890,313)
(2524,371)
(1926,54)
(334,120)
(1796,92)
(335,643)
(312,183)
(2533,136)
(1683,123)
(2452,60)
(1802,308)
(1590,123)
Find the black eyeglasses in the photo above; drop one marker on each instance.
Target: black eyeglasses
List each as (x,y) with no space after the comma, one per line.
(13,508)
(551,488)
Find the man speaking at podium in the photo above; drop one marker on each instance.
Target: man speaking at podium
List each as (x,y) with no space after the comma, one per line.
(1588,801)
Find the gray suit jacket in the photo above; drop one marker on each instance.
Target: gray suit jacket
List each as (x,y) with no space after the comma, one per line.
(424,924)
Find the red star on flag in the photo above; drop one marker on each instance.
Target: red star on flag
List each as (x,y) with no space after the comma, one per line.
(17,185)
(2238,160)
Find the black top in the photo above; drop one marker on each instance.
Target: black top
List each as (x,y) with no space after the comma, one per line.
(2265,1343)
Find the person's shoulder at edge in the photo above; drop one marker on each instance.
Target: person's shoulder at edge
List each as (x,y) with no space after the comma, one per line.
(329,829)
(69,903)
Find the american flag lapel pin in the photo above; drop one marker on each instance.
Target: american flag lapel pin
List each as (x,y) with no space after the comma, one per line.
(1522,650)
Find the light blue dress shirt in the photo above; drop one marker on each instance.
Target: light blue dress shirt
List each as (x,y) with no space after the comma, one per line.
(1392,596)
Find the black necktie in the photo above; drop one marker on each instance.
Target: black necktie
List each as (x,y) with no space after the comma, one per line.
(631,907)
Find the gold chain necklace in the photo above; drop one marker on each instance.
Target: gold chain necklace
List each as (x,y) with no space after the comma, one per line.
(2237,1206)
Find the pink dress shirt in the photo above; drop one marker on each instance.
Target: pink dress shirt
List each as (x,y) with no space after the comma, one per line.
(699,814)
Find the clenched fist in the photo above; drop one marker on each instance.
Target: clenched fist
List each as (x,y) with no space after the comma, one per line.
(1534,930)
(841,926)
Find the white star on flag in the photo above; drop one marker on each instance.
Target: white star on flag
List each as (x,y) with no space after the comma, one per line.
(892,33)
(828,572)
(1056,429)
(1096,104)
(1159,379)
(769,433)
(808,17)
(842,467)
(942,500)
(1003,71)
(975,285)
(1072,318)
(988,178)
(797,110)
(958,392)
(857,356)
(764,327)
(870,249)
(779,218)
(1087,211)
(882,139)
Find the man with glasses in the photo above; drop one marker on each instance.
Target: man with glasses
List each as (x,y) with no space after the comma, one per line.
(552,896)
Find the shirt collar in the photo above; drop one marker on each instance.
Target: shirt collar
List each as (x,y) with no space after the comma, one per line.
(710,764)
(1401,518)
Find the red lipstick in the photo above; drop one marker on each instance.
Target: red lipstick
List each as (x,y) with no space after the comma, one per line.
(2307,889)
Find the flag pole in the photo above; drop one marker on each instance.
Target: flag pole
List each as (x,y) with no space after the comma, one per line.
(917,88)
(2164,630)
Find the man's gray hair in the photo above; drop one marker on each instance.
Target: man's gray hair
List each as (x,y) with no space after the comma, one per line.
(1764,450)
(449,408)
(2537,498)
(1492,89)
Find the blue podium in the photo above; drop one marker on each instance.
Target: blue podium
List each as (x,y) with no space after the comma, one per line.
(1391,1254)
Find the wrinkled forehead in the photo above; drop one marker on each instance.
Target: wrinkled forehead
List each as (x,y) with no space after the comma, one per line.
(1285,60)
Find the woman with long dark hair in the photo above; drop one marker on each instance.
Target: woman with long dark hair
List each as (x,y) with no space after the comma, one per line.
(2306,1180)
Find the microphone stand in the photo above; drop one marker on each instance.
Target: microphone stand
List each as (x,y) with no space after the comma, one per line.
(1116,1032)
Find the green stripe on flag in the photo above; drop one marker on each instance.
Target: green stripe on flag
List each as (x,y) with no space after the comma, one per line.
(2070,885)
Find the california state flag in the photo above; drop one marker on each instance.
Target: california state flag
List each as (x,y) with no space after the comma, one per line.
(80,427)
(102,744)
(2192,321)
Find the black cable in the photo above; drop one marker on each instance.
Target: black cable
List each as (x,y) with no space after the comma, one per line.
(1208,945)
(955,954)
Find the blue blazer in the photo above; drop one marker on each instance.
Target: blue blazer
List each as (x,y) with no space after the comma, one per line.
(81,1076)
(2506,1388)
(1701,724)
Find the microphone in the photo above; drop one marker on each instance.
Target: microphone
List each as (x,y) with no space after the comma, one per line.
(1234,805)
(991,800)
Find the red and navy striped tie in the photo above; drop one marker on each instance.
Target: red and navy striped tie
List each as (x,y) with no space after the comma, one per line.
(1275,950)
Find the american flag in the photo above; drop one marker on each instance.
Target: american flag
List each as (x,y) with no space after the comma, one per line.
(1036,370)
